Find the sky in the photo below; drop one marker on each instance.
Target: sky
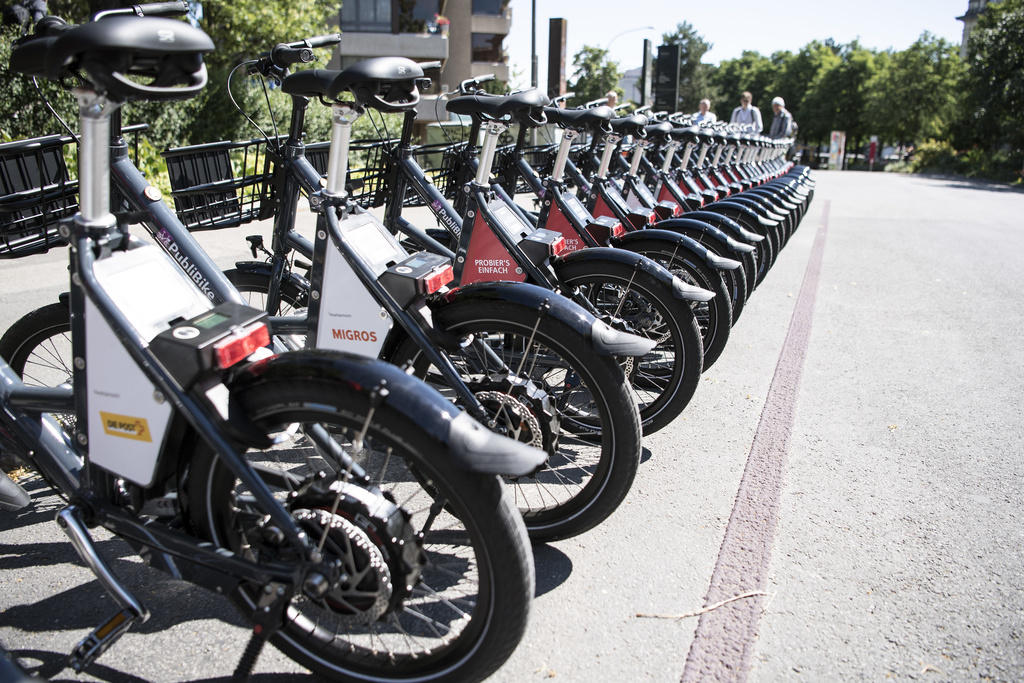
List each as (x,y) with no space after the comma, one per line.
(732,26)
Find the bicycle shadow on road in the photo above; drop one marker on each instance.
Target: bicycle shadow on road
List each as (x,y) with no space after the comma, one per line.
(552,568)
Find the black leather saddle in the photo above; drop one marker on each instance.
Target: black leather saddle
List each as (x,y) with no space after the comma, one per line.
(164,52)
(499,106)
(309,82)
(635,125)
(596,118)
(384,83)
(660,131)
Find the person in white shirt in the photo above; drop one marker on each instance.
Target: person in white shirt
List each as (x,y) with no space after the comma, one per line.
(747,114)
(704,112)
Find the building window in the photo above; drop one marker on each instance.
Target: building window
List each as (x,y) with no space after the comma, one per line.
(489,6)
(366,16)
(487,47)
(417,16)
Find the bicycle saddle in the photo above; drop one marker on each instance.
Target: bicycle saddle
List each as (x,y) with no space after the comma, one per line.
(382,83)
(596,118)
(635,125)
(660,131)
(690,134)
(309,82)
(165,52)
(499,106)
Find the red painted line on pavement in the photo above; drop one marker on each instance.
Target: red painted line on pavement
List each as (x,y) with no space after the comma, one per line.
(724,642)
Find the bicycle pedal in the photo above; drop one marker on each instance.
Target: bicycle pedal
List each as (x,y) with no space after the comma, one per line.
(101,638)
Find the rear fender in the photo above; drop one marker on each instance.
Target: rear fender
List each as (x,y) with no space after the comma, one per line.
(606,340)
(433,423)
(708,234)
(631,265)
(263,268)
(679,243)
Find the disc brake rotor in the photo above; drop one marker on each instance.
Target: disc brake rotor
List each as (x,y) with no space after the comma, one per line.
(363,592)
(518,418)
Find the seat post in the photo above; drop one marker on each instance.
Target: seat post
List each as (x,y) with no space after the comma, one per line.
(670,150)
(611,141)
(568,135)
(638,155)
(342,118)
(94,113)
(492,129)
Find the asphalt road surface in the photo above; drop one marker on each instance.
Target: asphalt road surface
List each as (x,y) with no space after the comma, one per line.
(853,470)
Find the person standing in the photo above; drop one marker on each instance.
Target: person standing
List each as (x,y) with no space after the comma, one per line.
(747,114)
(704,113)
(782,122)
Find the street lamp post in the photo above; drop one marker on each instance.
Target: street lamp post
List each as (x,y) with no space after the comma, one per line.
(608,45)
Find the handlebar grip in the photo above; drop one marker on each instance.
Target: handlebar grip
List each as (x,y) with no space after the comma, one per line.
(176,8)
(319,41)
(284,56)
(429,65)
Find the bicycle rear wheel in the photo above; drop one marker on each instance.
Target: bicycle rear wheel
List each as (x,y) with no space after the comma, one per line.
(466,609)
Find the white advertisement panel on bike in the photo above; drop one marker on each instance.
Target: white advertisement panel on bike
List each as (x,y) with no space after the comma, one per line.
(127,418)
(350,318)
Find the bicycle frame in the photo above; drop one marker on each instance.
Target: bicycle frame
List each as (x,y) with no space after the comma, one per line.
(95,240)
(293,176)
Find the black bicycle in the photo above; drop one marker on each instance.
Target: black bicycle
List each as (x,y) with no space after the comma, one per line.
(350,511)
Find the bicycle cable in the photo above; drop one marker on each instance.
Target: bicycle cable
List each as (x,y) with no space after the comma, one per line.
(248,118)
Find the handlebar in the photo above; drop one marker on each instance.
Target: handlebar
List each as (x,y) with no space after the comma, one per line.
(176,8)
(274,63)
(477,81)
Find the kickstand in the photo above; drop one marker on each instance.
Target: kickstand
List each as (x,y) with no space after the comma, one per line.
(267,619)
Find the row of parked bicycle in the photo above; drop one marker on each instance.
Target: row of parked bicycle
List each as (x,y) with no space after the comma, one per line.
(355,435)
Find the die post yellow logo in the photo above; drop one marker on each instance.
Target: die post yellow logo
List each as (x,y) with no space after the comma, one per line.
(125,426)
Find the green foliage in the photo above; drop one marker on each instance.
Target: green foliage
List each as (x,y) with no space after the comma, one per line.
(995,78)
(750,71)
(939,156)
(694,76)
(914,93)
(595,75)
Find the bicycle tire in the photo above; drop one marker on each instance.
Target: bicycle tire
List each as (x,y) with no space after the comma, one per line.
(665,379)
(476,542)
(713,317)
(609,468)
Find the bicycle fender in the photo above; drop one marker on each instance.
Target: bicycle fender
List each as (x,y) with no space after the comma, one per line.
(12,496)
(605,339)
(432,420)
(263,268)
(642,265)
(726,207)
(680,243)
(743,207)
(706,229)
(726,224)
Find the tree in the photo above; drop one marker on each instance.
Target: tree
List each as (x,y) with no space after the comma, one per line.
(594,76)
(239,28)
(750,71)
(694,76)
(913,95)
(995,77)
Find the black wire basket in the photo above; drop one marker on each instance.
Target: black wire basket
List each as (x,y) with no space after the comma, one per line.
(220,184)
(36,193)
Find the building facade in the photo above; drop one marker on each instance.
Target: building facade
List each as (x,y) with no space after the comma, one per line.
(466,36)
(974,10)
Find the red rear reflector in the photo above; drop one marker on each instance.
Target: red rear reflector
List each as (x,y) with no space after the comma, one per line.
(240,346)
(677,210)
(438,279)
(619,229)
(558,246)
